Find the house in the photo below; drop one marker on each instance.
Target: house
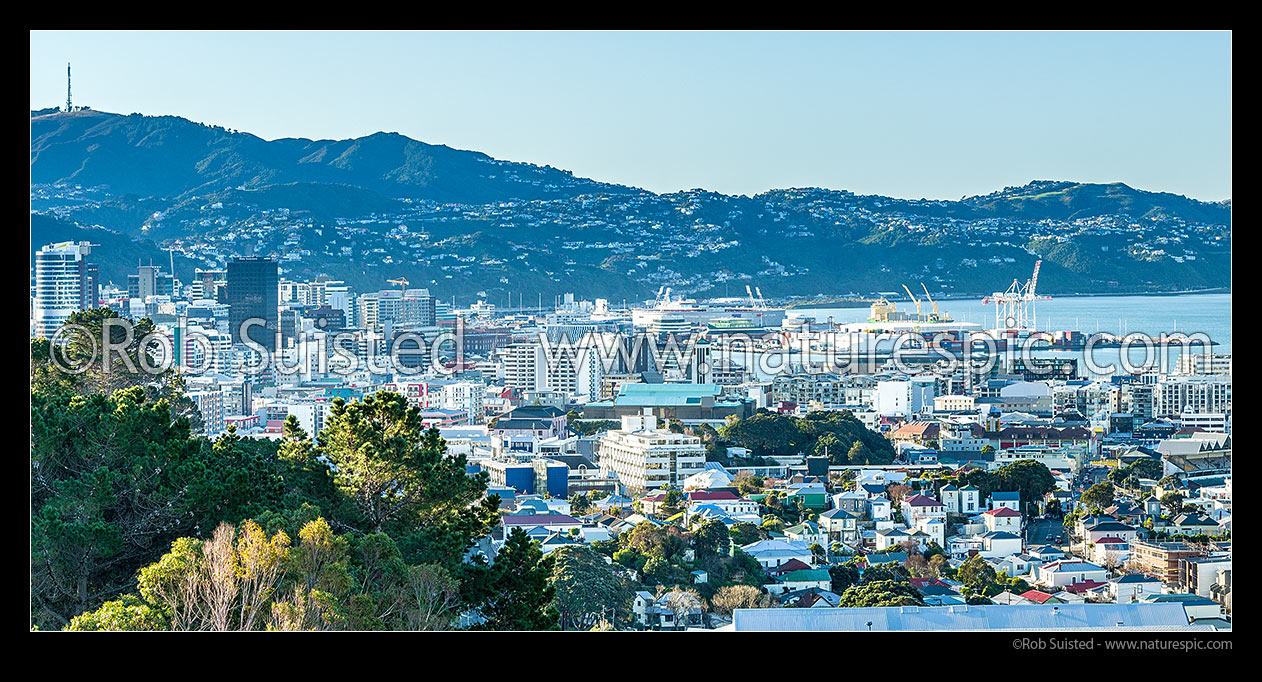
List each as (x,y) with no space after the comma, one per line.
(1067,571)
(885,558)
(1009,599)
(772,553)
(1016,565)
(1046,553)
(788,567)
(728,501)
(815,578)
(1195,606)
(808,533)
(1195,523)
(1002,519)
(674,610)
(1011,500)
(918,507)
(963,546)
(879,508)
(810,599)
(809,495)
(1039,597)
(840,526)
(553,523)
(998,544)
(852,501)
(1110,551)
(940,595)
(890,537)
(1133,587)
(960,500)
(1109,528)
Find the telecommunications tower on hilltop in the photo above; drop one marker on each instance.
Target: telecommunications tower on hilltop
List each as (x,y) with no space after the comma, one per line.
(69,106)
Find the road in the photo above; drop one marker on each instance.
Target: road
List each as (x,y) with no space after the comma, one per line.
(1043,532)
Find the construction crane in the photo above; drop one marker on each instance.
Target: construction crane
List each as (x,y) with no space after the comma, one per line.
(403,284)
(913,299)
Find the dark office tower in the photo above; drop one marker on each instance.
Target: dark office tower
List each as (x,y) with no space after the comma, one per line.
(254,291)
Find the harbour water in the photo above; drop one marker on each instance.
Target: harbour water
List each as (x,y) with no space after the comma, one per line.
(1209,314)
(1188,313)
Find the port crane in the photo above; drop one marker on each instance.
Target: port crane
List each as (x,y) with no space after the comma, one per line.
(913,300)
(932,302)
(1014,308)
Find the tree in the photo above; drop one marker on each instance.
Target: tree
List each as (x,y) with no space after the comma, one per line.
(897,492)
(881,593)
(586,590)
(743,533)
(110,487)
(521,594)
(130,613)
(710,541)
(580,503)
(731,597)
(858,454)
(843,576)
(673,503)
(1172,502)
(401,478)
(976,574)
(126,370)
(224,583)
(1099,495)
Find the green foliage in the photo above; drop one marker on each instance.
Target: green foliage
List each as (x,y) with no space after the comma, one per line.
(521,590)
(110,486)
(843,576)
(978,575)
(839,433)
(587,591)
(1099,495)
(743,533)
(401,478)
(881,593)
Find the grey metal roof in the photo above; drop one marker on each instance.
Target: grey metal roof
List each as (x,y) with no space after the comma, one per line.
(1167,616)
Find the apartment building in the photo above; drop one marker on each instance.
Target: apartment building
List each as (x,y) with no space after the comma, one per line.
(644,457)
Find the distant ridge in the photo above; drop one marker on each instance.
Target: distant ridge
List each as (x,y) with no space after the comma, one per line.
(172,157)
(384,206)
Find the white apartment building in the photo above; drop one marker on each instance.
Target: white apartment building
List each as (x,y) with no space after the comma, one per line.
(64,283)
(906,396)
(645,458)
(1175,395)
(1193,362)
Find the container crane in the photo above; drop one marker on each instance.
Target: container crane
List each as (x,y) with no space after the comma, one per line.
(913,300)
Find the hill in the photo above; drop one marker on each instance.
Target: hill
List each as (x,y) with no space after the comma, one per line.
(172,157)
(467,225)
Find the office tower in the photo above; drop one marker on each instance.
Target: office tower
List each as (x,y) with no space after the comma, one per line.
(150,281)
(207,284)
(254,293)
(65,282)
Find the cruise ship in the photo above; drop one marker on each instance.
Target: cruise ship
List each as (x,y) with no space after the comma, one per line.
(727,312)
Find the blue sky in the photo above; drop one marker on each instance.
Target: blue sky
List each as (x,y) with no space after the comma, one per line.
(937,115)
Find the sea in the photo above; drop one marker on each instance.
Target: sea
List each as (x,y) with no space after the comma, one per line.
(1152,315)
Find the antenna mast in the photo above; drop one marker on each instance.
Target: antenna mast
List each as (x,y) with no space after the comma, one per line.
(68,104)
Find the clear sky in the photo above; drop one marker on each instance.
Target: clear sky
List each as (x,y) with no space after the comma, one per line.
(937,115)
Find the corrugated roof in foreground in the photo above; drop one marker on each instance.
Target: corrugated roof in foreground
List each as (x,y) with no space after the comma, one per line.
(990,617)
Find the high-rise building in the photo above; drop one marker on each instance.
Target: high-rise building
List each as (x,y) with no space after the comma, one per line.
(65,282)
(149,280)
(254,293)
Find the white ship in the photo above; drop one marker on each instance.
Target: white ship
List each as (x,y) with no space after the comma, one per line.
(755,310)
